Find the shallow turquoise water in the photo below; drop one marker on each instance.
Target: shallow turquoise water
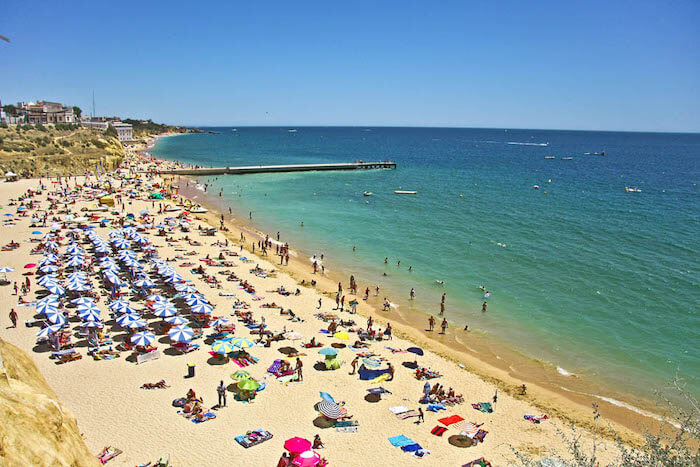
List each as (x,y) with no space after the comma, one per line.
(593,279)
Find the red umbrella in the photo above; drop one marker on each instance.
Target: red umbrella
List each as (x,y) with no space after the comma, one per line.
(297,444)
(29,266)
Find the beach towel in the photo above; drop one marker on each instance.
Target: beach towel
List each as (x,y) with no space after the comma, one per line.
(466,427)
(420,453)
(481,462)
(479,436)
(398,409)
(409,414)
(253,438)
(366,374)
(400,440)
(438,430)
(483,407)
(346,423)
(436,407)
(207,416)
(346,429)
(411,447)
(447,421)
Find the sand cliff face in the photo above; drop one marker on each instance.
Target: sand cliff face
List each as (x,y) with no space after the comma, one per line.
(34,428)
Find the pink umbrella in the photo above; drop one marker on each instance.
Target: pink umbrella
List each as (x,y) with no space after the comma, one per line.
(297,444)
(29,266)
(307,459)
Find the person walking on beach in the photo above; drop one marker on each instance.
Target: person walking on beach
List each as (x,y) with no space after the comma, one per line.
(342,303)
(420,416)
(483,307)
(366,294)
(370,321)
(13,317)
(431,323)
(297,368)
(353,364)
(443,325)
(221,391)
(442,308)
(337,301)
(413,293)
(286,260)
(319,304)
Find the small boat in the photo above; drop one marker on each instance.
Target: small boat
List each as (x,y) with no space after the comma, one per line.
(292,130)
(199,210)
(367,193)
(405,192)
(567,158)
(536,187)
(602,153)
(629,189)
(549,157)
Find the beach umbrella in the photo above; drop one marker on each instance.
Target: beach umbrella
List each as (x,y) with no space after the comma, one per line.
(127,318)
(144,283)
(181,287)
(202,309)
(139,323)
(53,299)
(222,347)
(297,444)
(32,265)
(181,333)
(89,315)
(78,287)
(88,306)
(329,409)
(328,351)
(43,307)
(121,243)
(248,385)
(55,316)
(293,336)
(112,277)
(6,269)
(75,261)
(218,322)
(156,298)
(165,311)
(49,330)
(43,280)
(48,268)
(143,338)
(176,320)
(242,342)
(55,289)
(195,299)
(307,459)
(36,232)
(343,336)
(92,324)
(119,305)
(241,375)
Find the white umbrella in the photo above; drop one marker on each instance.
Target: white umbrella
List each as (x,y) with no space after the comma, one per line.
(49,330)
(176,320)
(143,338)
(181,333)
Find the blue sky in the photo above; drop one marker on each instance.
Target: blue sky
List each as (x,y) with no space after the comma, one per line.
(561,64)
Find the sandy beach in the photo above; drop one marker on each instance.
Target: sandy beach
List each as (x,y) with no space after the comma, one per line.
(113,410)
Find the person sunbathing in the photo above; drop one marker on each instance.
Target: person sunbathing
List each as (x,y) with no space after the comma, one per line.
(159,385)
(360,345)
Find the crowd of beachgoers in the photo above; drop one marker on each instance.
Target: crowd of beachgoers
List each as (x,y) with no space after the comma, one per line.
(170,341)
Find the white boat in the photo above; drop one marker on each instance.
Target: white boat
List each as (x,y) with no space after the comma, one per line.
(292,130)
(199,210)
(629,189)
(549,157)
(405,192)
(567,158)
(367,193)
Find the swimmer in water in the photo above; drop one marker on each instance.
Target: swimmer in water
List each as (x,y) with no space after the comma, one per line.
(440,282)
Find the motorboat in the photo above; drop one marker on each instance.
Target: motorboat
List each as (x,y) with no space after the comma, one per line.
(405,192)
(367,193)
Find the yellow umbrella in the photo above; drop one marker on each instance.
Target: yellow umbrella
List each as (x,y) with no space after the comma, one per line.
(343,336)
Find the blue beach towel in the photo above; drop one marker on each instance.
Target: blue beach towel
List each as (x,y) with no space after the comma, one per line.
(411,447)
(400,440)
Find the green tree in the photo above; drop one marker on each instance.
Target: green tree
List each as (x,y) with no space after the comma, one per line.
(77,111)
(111,131)
(10,110)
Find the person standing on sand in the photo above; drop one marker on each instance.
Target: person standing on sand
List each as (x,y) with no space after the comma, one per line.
(221,391)
(319,304)
(376,291)
(412,293)
(370,321)
(443,325)
(13,317)
(431,323)
(286,260)
(315,267)
(420,416)
(483,307)
(366,294)
(442,308)
(353,364)
(297,368)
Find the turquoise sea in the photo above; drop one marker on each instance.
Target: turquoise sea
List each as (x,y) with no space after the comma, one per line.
(596,280)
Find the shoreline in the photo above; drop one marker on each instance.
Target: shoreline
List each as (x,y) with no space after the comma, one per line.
(566,395)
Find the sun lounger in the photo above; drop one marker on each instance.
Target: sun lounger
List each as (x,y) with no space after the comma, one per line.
(409,414)
(398,409)
(253,438)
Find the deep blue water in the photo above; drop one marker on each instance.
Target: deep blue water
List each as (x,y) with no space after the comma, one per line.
(593,279)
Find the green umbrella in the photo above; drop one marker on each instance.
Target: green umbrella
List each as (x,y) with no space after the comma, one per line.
(241,375)
(248,385)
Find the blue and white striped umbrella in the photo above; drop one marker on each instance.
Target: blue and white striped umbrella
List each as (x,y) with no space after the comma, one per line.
(127,318)
(48,268)
(45,332)
(88,306)
(119,305)
(75,261)
(192,296)
(182,287)
(103,248)
(55,316)
(219,322)
(175,277)
(165,312)
(181,333)
(92,324)
(51,245)
(6,269)
(196,300)
(74,249)
(202,308)
(177,320)
(82,301)
(242,342)
(111,277)
(144,283)
(138,324)
(55,289)
(143,338)
(124,254)
(79,287)
(50,279)
(121,243)
(43,307)
(156,298)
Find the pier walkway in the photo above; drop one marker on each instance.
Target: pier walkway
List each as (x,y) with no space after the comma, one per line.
(256,169)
